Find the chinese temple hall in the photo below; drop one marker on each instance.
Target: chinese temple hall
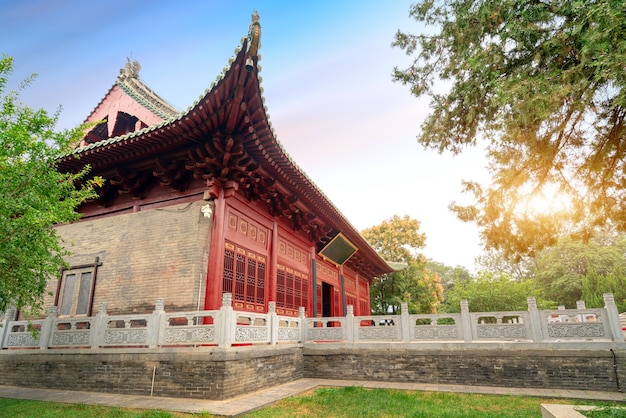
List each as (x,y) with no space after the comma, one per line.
(204,202)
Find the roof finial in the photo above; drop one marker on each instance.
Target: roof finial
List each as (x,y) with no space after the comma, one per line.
(131,69)
(254,34)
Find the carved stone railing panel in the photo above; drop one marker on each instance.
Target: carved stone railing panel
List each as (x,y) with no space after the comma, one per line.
(575,324)
(20,334)
(501,331)
(436,332)
(501,325)
(22,340)
(70,338)
(586,330)
(71,332)
(127,331)
(325,334)
(125,337)
(289,334)
(191,335)
(435,327)
(380,333)
(251,334)
(289,328)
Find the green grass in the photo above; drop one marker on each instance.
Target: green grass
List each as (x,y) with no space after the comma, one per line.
(18,408)
(383,403)
(606,412)
(352,402)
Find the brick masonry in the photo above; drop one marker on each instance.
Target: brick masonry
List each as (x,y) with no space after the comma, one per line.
(213,373)
(150,254)
(188,373)
(505,367)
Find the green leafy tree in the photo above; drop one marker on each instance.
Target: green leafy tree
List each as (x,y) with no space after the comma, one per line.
(34,197)
(562,268)
(542,82)
(595,285)
(490,292)
(398,240)
(450,276)
(518,268)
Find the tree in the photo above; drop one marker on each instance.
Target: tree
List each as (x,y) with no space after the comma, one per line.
(543,83)
(594,286)
(450,276)
(519,268)
(398,240)
(562,269)
(34,197)
(490,292)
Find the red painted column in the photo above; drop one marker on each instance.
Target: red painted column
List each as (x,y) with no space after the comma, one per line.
(214,279)
(270,292)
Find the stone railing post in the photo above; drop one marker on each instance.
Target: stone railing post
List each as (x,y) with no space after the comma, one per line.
(273,322)
(46,328)
(226,321)
(96,335)
(535,320)
(613,317)
(155,322)
(466,321)
(5,324)
(405,323)
(350,327)
(302,317)
(580,304)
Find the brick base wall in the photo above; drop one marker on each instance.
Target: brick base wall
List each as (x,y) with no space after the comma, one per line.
(216,374)
(503,367)
(212,373)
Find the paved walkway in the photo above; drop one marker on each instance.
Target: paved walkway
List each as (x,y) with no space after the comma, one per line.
(246,403)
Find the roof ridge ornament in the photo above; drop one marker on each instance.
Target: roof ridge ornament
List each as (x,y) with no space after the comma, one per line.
(254,35)
(130,70)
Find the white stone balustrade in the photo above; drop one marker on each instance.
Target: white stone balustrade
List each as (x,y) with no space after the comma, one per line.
(226,327)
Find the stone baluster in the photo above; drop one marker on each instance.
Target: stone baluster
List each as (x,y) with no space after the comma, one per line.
(302,317)
(273,322)
(6,326)
(154,326)
(349,324)
(405,323)
(97,333)
(466,321)
(613,318)
(535,320)
(226,321)
(580,317)
(46,328)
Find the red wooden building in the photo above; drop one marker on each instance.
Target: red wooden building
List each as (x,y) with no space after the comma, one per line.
(205,201)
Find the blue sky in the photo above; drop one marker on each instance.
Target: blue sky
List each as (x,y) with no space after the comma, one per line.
(326,72)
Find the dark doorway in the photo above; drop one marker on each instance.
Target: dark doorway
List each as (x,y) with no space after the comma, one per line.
(327,294)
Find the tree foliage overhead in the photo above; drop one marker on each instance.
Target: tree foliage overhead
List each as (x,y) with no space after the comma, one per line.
(543,83)
(398,240)
(34,197)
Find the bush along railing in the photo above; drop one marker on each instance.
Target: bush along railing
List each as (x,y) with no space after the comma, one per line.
(226,327)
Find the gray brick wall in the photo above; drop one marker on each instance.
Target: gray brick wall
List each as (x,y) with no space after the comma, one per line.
(178,373)
(155,253)
(224,373)
(506,367)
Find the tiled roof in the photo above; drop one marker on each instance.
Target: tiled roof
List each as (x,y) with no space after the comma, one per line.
(214,110)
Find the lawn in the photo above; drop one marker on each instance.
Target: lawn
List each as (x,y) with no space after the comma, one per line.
(327,402)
